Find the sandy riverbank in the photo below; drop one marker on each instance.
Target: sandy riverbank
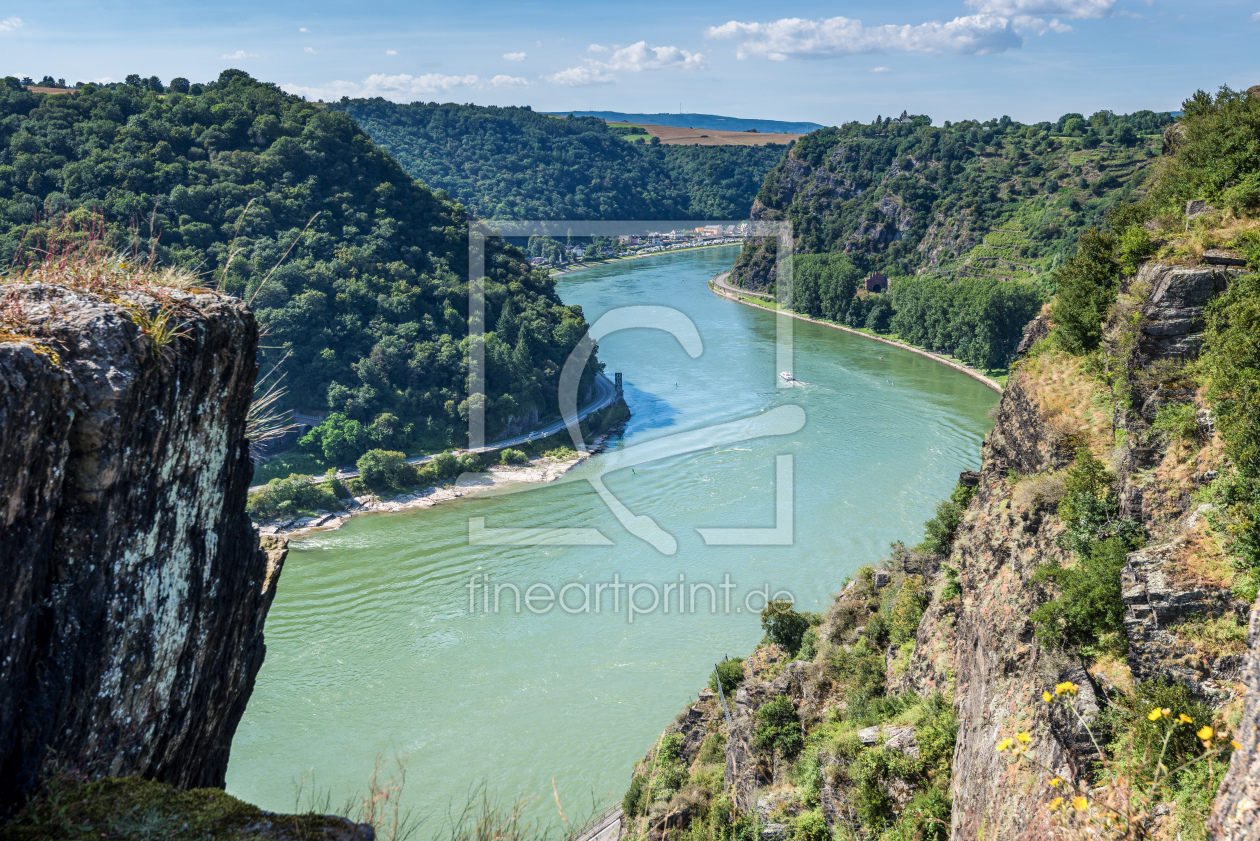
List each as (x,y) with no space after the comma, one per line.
(536,472)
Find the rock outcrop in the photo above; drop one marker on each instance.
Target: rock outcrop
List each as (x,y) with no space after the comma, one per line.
(1236,813)
(132,630)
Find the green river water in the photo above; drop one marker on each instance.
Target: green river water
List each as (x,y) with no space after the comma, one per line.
(372,649)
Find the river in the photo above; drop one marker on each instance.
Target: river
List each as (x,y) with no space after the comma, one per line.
(373,650)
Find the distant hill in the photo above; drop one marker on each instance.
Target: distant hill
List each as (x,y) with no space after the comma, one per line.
(516,163)
(994,199)
(367,315)
(703,121)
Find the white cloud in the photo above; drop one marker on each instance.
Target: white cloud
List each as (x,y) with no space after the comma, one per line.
(514,56)
(781,39)
(881,69)
(391,52)
(597,48)
(504,81)
(1060,8)
(310,50)
(1039,26)
(584,75)
(632,59)
(303,29)
(10,24)
(239,54)
(1255,18)
(401,87)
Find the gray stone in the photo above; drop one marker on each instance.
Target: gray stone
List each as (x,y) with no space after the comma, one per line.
(1223,257)
(136,590)
(1197,207)
(895,737)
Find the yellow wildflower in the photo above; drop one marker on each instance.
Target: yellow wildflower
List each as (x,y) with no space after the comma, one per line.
(1005,744)
(1185,719)
(1080,803)
(1023,737)
(1066,687)
(1047,697)
(1205,733)
(1054,781)
(1056,803)
(1234,742)
(1153,715)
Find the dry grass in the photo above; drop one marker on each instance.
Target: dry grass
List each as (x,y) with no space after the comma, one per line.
(1115,670)
(1216,230)
(1203,560)
(1073,404)
(1039,490)
(1215,638)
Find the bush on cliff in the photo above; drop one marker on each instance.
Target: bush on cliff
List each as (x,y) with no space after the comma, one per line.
(1088,610)
(778,728)
(783,625)
(731,674)
(1087,286)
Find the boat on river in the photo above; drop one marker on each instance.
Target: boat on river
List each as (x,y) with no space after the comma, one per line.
(787,377)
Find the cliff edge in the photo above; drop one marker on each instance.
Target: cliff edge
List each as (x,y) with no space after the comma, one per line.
(133,627)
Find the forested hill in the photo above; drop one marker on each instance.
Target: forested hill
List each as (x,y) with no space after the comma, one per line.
(515,163)
(368,311)
(997,198)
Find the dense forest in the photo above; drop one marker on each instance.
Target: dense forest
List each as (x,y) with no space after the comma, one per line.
(995,198)
(515,163)
(357,272)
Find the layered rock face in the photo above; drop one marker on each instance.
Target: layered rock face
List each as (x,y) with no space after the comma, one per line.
(1236,813)
(136,585)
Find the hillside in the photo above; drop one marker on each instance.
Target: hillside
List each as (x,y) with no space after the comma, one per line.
(520,164)
(1067,652)
(366,313)
(699,121)
(992,199)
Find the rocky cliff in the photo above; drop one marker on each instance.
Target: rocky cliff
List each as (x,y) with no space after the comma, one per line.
(865,765)
(136,586)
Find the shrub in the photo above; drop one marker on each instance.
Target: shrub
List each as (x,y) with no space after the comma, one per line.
(860,669)
(291,496)
(1088,604)
(471,463)
(632,804)
(1178,421)
(869,771)
(778,728)
(1135,246)
(907,610)
(730,673)
(383,470)
(783,625)
(936,733)
(925,818)
(938,532)
(810,826)
(953,588)
(511,456)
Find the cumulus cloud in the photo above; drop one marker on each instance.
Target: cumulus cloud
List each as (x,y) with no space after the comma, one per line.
(303,29)
(10,24)
(1255,18)
(1032,8)
(514,56)
(1039,26)
(881,69)
(310,50)
(404,87)
(391,52)
(787,37)
(632,59)
(505,81)
(239,54)
(597,48)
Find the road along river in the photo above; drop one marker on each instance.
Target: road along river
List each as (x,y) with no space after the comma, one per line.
(385,640)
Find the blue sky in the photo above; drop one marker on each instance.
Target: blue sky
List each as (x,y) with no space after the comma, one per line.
(826,62)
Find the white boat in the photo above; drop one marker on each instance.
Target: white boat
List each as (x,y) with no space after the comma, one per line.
(787,377)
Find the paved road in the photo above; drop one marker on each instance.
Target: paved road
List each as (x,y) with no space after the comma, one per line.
(720,283)
(605,396)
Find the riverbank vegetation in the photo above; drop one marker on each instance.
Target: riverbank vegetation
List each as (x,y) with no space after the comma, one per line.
(515,163)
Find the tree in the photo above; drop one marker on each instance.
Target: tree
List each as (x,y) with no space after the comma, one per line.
(385,469)
(133,80)
(1087,286)
(783,625)
(179,85)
